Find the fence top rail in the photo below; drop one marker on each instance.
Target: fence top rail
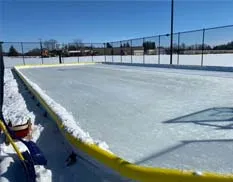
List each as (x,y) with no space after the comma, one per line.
(168,34)
(141,38)
(21,42)
(129,40)
(150,37)
(226,26)
(219,27)
(98,43)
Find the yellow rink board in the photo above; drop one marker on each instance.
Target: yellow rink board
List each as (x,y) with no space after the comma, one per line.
(124,168)
(53,65)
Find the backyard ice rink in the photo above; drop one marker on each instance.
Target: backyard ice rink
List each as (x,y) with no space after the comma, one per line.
(149,116)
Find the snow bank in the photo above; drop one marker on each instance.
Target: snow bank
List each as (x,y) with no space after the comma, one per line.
(70,125)
(42,174)
(15,109)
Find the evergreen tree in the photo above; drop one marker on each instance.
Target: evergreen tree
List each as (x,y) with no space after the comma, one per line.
(108,45)
(13,52)
(228,46)
(148,45)
(72,47)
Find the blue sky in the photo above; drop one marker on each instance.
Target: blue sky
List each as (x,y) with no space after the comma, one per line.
(101,21)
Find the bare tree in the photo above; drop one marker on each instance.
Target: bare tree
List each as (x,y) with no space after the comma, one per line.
(51,44)
(78,43)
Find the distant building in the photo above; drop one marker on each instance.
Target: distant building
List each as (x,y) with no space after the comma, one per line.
(45,53)
(138,52)
(86,52)
(161,50)
(151,51)
(75,53)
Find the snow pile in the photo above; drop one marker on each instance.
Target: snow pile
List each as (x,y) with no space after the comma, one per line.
(42,174)
(14,100)
(70,125)
(5,162)
(15,110)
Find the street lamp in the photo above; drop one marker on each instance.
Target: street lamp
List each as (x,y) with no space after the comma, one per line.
(171,38)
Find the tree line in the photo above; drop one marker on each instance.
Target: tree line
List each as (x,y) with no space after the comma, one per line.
(152,45)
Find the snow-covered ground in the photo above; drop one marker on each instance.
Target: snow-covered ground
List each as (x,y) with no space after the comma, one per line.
(149,116)
(18,107)
(208,59)
(15,110)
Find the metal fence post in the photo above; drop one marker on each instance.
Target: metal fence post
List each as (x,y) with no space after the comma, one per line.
(92,53)
(41,53)
(1,51)
(178,49)
(131,50)
(60,61)
(80,49)
(121,50)
(143,40)
(203,44)
(159,51)
(2,67)
(77,52)
(112,53)
(171,38)
(104,52)
(22,52)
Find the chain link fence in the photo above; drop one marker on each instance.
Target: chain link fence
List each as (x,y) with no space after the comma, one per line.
(212,47)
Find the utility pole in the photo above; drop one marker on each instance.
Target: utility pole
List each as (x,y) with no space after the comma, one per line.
(171,38)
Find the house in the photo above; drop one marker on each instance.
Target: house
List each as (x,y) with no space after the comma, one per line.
(45,53)
(151,51)
(75,53)
(161,50)
(138,52)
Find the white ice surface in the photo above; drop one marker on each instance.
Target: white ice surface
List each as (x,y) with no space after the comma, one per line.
(143,113)
(70,125)
(18,104)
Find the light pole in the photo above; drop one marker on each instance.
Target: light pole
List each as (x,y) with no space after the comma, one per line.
(171,38)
